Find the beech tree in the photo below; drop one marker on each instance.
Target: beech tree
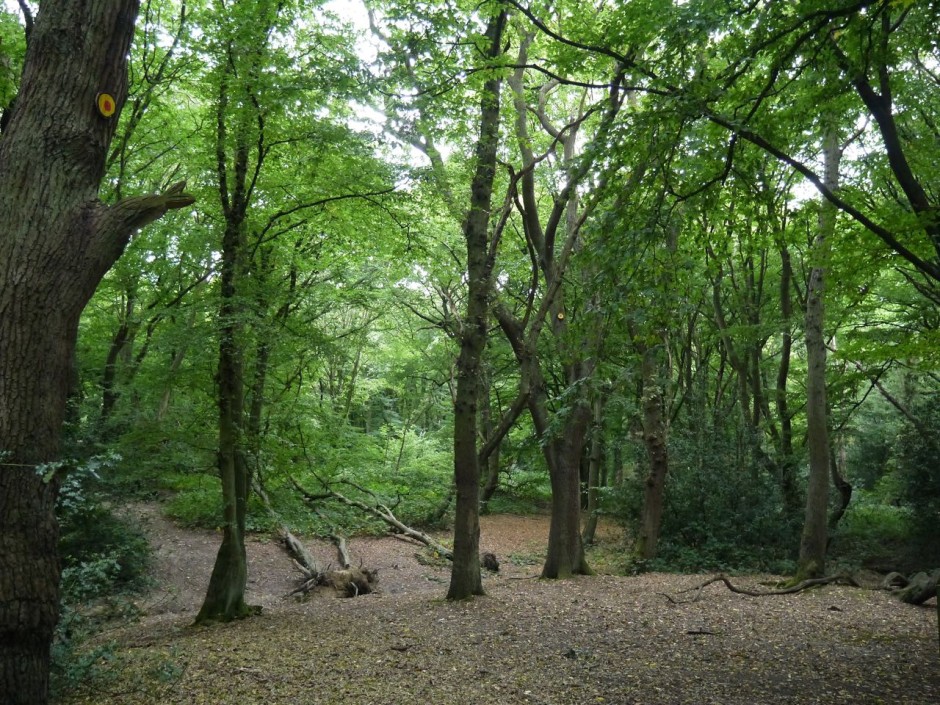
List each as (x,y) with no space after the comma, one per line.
(57,240)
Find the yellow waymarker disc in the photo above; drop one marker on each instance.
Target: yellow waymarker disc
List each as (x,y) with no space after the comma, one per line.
(106,104)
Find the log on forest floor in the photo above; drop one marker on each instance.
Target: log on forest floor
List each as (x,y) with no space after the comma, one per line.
(915,590)
(397,528)
(350,582)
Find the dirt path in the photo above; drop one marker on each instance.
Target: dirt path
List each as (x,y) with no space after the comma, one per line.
(184,558)
(603,639)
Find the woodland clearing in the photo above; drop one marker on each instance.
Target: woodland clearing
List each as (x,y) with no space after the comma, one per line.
(599,639)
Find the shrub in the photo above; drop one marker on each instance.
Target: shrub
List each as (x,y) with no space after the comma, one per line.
(918,450)
(102,556)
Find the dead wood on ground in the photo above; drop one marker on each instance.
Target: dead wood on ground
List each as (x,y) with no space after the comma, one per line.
(915,590)
(377,509)
(799,587)
(303,559)
(351,582)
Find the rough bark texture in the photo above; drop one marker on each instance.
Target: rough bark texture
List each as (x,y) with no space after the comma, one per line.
(56,242)
(812,560)
(565,556)
(465,580)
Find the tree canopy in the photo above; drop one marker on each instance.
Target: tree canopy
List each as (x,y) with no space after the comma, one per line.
(677,263)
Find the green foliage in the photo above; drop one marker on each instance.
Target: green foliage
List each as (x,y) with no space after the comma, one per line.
(73,662)
(919,472)
(105,558)
(721,511)
(102,553)
(12,52)
(524,489)
(196,502)
(347,306)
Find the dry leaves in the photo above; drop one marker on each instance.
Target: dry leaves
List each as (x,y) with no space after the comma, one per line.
(603,639)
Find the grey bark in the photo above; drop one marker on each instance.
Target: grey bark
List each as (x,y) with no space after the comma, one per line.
(812,559)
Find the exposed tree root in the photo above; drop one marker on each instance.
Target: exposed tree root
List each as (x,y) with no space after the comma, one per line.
(799,587)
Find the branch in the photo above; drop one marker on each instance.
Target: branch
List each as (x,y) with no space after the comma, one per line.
(27,19)
(133,213)
(318,202)
(928,268)
(380,511)
(799,587)
(505,424)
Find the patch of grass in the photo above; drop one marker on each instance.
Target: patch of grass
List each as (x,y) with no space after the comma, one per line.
(199,506)
(869,519)
(525,559)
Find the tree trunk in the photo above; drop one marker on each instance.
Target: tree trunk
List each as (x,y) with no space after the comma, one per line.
(225,595)
(654,437)
(57,240)
(787,461)
(565,555)
(843,487)
(594,471)
(109,394)
(491,463)
(812,560)
(465,580)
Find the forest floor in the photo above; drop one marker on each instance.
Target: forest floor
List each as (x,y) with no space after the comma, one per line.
(600,639)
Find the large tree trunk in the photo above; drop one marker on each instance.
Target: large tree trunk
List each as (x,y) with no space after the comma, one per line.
(225,595)
(57,240)
(565,556)
(465,580)
(812,560)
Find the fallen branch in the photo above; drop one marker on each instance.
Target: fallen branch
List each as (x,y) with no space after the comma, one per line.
(380,511)
(799,587)
(303,559)
(351,582)
(342,550)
